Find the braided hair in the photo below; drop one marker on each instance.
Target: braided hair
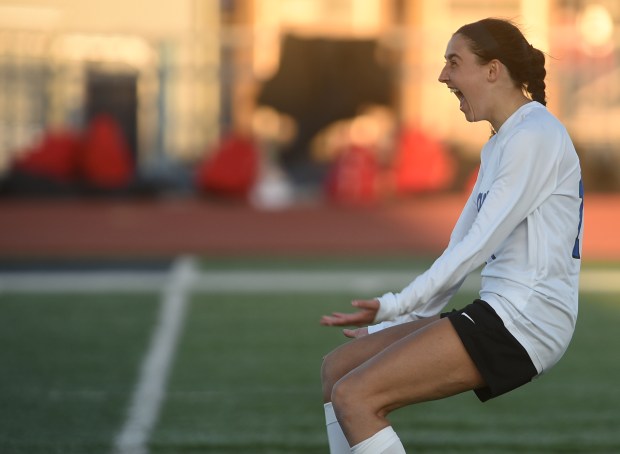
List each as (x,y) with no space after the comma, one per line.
(502,40)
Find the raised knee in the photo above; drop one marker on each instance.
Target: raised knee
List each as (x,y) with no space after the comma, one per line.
(340,395)
(347,401)
(329,376)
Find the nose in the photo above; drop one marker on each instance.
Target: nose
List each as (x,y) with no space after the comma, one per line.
(443,76)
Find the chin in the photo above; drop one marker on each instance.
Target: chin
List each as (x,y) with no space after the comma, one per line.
(469,117)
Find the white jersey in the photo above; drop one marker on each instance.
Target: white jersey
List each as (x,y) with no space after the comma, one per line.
(524,220)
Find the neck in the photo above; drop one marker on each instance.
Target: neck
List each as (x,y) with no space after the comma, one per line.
(506,108)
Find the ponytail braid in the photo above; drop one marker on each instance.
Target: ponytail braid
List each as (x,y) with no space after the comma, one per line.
(535,83)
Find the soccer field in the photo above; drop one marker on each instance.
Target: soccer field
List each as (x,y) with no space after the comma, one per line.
(208,357)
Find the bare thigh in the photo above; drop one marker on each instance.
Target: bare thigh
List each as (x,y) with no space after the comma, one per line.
(348,356)
(428,364)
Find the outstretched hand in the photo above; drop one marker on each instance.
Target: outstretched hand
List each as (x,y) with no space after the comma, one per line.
(365,315)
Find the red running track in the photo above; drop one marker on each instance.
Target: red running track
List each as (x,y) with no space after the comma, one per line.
(69,228)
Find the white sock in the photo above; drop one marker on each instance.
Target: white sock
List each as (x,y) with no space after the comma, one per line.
(383,442)
(338,444)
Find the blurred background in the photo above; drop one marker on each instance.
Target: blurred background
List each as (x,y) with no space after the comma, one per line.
(274,104)
(184,184)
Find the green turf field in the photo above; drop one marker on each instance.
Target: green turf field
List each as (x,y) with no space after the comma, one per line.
(245,377)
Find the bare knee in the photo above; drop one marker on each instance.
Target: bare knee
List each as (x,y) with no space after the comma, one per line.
(333,373)
(344,398)
(342,402)
(330,374)
(352,403)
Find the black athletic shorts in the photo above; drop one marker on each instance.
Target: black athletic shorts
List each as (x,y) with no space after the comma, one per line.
(501,359)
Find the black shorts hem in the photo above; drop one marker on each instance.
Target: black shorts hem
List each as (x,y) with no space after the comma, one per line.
(501,360)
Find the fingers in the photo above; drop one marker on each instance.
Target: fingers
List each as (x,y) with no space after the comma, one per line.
(339,319)
(367,309)
(336,319)
(355,333)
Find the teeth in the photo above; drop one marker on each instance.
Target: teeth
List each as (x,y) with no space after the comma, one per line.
(453,90)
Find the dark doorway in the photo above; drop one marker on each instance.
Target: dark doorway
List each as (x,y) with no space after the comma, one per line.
(115,95)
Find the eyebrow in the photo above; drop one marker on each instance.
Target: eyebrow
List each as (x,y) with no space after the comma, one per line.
(450,56)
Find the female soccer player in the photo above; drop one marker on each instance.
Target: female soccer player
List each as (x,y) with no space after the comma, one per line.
(523,220)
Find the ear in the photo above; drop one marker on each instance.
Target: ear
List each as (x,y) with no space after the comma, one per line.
(494,69)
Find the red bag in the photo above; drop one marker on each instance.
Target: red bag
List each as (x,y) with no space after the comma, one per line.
(231,169)
(106,160)
(422,163)
(353,178)
(55,157)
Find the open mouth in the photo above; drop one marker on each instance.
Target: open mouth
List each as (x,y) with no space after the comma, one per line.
(459,95)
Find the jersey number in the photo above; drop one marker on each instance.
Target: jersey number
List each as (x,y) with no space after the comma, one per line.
(576,254)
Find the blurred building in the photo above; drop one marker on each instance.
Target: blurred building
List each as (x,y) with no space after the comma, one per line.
(153,65)
(180,74)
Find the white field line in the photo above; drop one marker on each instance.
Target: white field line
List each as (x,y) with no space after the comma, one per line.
(366,282)
(218,281)
(150,390)
(82,282)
